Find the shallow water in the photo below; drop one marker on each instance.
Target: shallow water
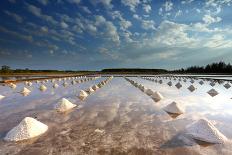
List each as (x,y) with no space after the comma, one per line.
(130,121)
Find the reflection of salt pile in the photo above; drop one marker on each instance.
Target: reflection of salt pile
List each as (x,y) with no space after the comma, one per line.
(25,90)
(42,87)
(169,83)
(83,94)
(191,88)
(174,108)
(1,97)
(156,96)
(204,130)
(227,86)
(64,105)
(178,85)
(212,92)
(27,128)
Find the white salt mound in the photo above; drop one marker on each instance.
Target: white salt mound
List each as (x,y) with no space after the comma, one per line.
(42,87)
(157,96)
(90,90)
(26,129)
(149,92)
(12,85)
(83,94)
(204,130)
(174,108)
(25,90)
(95,87)
(55,85)
(64,105)
(1,97)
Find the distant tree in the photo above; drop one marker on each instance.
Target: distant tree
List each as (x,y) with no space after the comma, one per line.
(5,69)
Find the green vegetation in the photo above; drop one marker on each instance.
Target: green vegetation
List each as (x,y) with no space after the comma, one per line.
(218,67)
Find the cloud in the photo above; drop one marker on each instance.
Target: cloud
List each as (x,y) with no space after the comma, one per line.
(168,5)
(147,8)
(173,34)
(12,1)
(125,24)
(148,24)
(86,9)
(74,1)
(106,3)
(106,52)
(131,3)
(209,19)
(16,17)
(64,25)
(44,2)
(37,12)
(111,32)
(16,35)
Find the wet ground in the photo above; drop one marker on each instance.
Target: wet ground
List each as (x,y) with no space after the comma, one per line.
(116,119)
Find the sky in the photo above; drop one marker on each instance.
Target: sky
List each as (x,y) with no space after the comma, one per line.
(97,34)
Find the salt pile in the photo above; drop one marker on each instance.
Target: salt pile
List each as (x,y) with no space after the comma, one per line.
(174,108)
(1,97)
(25,91)
(156,96)
(64,105)
(191,88)
(65,84)
(212,92)
(90,90)
(55,85)
(26,129)
(204,130)
(12,85)
(73,82)
(83,94)
(149,92)
(42,87)
(95,87)
(29,84)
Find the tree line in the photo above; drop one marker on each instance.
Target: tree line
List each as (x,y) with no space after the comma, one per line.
(216,67)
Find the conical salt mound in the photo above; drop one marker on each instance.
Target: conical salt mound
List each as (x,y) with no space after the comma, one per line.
(42,87)
(55,85)
(90,90)
(1,97)
(12,85)
(204,130)
(25,90)
(149,92)
(28,128)
(83,94)
(174,108)
(64,105)
(156,96)
(95,87)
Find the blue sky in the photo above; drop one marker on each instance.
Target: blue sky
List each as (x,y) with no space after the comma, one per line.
(96,34)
